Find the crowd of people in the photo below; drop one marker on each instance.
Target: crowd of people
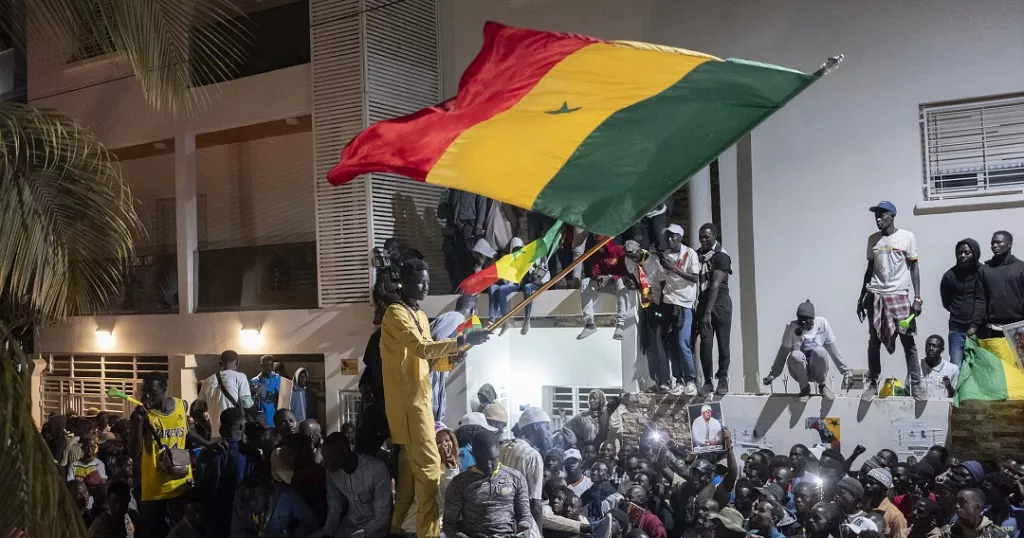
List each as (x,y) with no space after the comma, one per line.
(538,478)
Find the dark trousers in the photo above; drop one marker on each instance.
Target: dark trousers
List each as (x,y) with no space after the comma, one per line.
(875,350)
(157,517)
(721,329)
(650,342)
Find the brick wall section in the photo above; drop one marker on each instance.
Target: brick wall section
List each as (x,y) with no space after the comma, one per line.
(987,430)
(666,411)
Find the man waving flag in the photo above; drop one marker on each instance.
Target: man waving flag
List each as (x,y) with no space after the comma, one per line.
(593,133)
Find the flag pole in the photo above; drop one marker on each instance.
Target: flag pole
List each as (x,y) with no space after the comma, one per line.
(547,285)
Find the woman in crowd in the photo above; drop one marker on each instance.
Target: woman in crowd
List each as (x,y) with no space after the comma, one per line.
(590,426)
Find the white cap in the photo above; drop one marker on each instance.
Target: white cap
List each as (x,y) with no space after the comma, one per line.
(705,407)
(676,229)
(485,248)
(572,453)
(515,243)
(861,524)
(476,419)
(533,415)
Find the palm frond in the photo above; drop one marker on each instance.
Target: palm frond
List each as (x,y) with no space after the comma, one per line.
(35,499)
(67,216)
(165,42)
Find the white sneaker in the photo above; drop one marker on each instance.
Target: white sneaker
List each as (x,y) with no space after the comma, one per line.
(691,389)
(676,390)
(588,330)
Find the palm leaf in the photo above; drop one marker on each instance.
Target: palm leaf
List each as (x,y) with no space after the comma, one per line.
(35,499)
(66,215)
(164,41)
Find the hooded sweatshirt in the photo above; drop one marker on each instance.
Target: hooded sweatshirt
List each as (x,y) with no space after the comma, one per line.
(962,291)
(300,404)
(1004,288)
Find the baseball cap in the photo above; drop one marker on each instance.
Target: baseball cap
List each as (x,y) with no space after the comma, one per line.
(573,453)
(884,205)
(675,229)
(496,412)
(483,247)
(731,519)
(515,243)
(476,419)
(705,407)
(772,490)
(860,524)
(533,415)
(631,246)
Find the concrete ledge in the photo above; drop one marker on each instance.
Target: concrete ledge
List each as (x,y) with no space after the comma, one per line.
(977,203)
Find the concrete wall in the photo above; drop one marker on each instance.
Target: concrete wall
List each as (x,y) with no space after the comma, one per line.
(851,140)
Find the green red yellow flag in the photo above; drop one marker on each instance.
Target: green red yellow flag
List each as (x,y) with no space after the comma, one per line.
(989,372)
(513,266)
(594,133)
(471,324)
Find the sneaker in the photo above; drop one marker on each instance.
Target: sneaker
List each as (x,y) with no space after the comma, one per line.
(870,391)
(805,394)
(708,388)
(691,389)
(723,387)
(506,326)
(618,332)
(588,330)
(677,390)
(526,327)
(826,392)
(919,392)
(664,389)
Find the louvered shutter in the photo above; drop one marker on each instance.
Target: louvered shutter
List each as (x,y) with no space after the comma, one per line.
(403,76)
(973,148)
(371,60)
(342,219)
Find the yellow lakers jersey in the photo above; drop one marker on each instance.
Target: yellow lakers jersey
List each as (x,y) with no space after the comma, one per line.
(172,429)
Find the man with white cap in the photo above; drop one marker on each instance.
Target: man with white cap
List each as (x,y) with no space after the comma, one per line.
(575,478)
(681,267)
(706,430)
(805,345)
(524,455)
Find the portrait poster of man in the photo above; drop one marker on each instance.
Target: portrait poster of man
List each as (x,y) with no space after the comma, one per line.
(706,423)
(1015,338)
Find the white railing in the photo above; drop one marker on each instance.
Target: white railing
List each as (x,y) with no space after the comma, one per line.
(60,394)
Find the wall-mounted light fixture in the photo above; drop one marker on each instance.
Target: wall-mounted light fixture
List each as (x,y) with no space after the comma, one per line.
(105,338)
(251,338)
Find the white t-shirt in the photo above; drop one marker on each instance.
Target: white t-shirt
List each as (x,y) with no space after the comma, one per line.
(705,433)
(890,254)
(582,486)
(932,378)
(821,334)
(237,385)
(677,290)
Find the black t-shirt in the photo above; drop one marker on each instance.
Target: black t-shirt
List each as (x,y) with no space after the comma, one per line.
(719,261)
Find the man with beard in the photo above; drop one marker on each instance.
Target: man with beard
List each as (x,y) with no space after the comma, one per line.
(963,296)
(524,455)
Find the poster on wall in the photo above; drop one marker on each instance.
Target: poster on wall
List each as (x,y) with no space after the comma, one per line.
(827,428)
(706,421)
(1014,334)
(349,366)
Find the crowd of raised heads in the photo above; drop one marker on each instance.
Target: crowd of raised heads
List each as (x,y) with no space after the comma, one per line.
(577,477)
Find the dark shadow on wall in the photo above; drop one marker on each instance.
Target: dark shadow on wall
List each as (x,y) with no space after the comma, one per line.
(416,226)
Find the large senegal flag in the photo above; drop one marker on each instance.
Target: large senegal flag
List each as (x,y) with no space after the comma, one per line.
(989,372)
(594,133)
(513,266)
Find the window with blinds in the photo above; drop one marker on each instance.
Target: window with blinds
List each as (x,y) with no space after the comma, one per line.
(973,148)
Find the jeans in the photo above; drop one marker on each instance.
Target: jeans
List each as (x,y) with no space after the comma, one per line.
(499,294)
(721,329)
(589,287)
(957,340)
(579,246)
(808,367)
(677,335)
(875,351)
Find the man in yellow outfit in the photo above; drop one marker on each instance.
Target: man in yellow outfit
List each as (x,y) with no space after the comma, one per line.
(407,355)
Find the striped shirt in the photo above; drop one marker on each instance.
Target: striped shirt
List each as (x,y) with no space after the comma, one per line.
(486,506)
(519,455)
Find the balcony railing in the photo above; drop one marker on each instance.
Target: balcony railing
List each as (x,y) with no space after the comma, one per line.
(262,277)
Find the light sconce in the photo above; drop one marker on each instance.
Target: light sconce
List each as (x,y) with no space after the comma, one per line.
(105,338)
(251,338)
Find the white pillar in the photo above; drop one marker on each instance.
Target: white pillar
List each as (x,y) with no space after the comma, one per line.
(700,203)
(186,222)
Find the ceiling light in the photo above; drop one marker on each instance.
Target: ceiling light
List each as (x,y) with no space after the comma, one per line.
(104,338)
(251,338)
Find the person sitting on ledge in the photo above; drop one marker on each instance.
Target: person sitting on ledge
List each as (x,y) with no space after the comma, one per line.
(805,344)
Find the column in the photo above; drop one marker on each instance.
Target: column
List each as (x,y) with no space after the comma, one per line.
(747,306)
(181,377)
(700,203)
(186,221)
